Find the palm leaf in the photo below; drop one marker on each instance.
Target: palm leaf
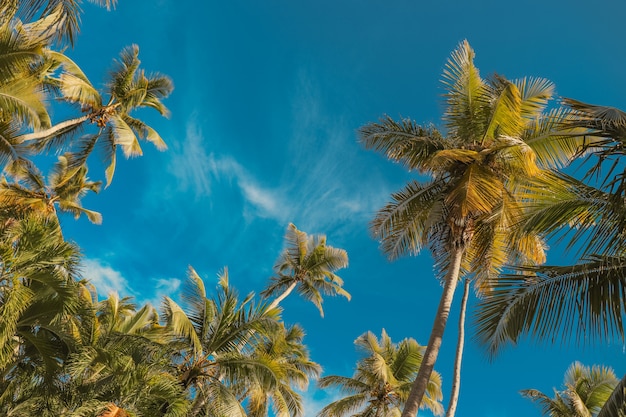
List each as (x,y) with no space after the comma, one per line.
(615,406)
(550,302)
(465,93)
(405,142)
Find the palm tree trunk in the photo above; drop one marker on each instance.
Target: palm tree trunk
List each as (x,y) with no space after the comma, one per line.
(456,379)
(284,295)
(54,130)
(420,384)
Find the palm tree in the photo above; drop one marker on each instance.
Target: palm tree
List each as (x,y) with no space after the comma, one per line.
(381,383)
(497,136)
(285,354)
(308,265)
(30,194)
(129,89)
(122,363)
(221,341)
(37,277)
(586,391)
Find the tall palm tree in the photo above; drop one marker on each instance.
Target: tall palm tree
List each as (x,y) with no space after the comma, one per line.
(585,392)
(382,380)
(497,136)
(307,265)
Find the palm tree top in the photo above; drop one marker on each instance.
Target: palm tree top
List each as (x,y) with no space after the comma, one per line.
(308,265)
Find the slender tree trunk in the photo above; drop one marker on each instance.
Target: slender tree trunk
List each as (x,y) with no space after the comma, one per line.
(54,130)
(420,384)
(284,295)
(456,379)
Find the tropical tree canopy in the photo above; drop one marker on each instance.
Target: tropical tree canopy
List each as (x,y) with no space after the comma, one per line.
(308,265)
(382,380)
(585,392)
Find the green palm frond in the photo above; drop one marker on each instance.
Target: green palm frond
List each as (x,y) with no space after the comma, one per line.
(145,132)
(23,97)
(125,137)
(505,117)
(179,324)
(56,20)
(477,191)
(586,390)
(535,94)
(615,405)
(465,96)
(382,380)
(17,53)
(403,225)
(555,143)
(560,205)
(601,120)
(405,142)
(584,301)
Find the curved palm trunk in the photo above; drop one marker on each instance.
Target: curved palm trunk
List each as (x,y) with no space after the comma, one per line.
(456,379)
(284,295)
(420,384)
(54,130)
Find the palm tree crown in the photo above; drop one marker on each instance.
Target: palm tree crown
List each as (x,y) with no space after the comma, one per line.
(308,265)
(382,380)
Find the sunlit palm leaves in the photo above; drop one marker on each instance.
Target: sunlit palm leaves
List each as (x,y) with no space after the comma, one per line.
(615,405)
(235,352)
(285,355)
(549,302)
(37,293)
(382,380)
(63,191)
(586,390)
(307,265)
(61,17)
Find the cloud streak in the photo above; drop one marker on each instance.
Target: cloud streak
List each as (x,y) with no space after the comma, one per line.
(106,279)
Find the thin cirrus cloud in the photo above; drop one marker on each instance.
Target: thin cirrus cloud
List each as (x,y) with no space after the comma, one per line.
(108,281)
(322,179)
(319,187)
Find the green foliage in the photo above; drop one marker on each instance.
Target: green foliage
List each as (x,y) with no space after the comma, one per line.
(382,380)
(586,391)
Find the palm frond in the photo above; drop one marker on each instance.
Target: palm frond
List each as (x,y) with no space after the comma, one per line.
(403,225)
(465,95)
(615,405)
(551,302)
(404,142)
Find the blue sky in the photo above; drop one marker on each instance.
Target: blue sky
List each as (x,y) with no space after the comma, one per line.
(268,97)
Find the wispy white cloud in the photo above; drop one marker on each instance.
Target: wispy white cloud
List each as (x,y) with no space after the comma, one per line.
(314,399)
(191,164)
(106,279)
(169,287)
(323,182)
